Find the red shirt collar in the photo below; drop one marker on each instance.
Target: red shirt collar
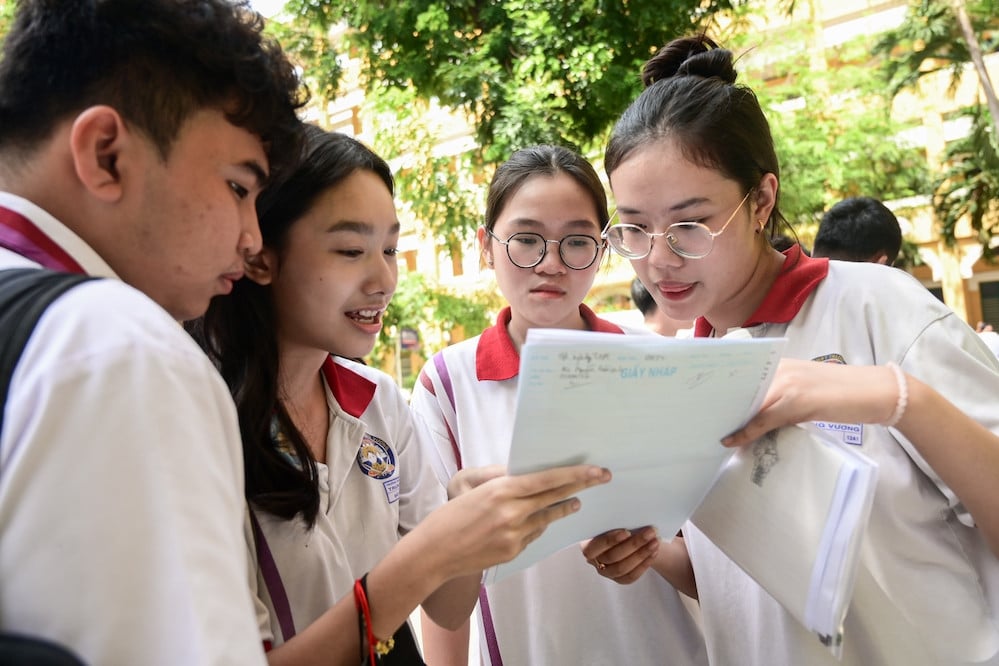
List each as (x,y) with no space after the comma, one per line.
(798,278)
(496,358)
(352,391)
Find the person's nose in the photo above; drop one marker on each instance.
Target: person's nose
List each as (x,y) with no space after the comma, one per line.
(552,262)
(662,254)
(383,276)
(251,240)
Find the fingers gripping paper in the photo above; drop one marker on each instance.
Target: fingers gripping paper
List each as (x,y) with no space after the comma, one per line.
(651,409)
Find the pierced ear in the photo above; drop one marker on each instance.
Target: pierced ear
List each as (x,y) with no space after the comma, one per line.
(485,247)
(97,139)
(261,267)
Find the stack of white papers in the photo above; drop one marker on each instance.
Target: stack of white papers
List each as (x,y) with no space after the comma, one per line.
(651,409)
(791,510)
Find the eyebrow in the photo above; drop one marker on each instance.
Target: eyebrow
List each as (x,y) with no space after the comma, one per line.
(357,227)
(532,223)
(682,205)
(258,171)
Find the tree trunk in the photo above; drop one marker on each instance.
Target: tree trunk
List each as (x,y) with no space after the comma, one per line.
(976,57)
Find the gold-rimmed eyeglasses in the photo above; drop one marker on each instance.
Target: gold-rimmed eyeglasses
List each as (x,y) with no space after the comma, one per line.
(690,240)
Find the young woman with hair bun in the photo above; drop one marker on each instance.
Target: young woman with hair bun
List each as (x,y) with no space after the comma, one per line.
(696,179)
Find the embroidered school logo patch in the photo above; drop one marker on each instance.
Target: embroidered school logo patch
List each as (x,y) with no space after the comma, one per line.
(375,458)
(830,358)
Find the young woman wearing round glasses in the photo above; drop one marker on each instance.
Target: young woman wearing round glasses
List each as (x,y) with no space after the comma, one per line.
(545,211)
(690,150)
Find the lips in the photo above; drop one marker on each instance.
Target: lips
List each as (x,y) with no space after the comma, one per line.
(674,290)
(548,290)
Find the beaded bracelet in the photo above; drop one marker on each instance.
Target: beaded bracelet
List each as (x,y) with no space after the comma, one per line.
(903,396)
(376,647)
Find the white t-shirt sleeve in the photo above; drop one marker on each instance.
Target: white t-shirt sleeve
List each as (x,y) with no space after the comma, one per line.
(121,490)
(960,366)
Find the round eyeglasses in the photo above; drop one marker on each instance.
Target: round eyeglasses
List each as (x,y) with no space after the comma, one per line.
(690,240)
(527,249)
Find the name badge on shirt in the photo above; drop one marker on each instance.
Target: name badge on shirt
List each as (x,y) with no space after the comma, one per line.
(849,433)
(377,460)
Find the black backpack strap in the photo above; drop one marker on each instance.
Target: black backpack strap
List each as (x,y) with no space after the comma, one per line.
(24,295)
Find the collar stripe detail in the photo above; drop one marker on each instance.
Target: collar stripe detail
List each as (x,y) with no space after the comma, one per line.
(445,377)
(18,234)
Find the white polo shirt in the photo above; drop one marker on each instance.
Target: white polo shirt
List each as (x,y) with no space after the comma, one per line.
(558,611)
(121,481)
(377,484)
(925,590)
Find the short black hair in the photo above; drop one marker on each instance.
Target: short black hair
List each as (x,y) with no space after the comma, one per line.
(858,229)
(642,298)
(156,62)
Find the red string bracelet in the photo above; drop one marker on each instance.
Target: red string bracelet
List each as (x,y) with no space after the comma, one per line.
(376,648)
(364,611)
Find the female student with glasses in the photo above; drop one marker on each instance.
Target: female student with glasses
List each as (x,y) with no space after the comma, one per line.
(691,149)
(545,211)
(348,528)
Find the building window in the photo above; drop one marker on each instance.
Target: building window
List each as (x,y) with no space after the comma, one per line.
(990,302)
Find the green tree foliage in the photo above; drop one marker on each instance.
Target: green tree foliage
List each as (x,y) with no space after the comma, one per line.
(527,71)
(969,188)
(306,41)
(6,16)
(834,133)
(930,42)
(434,312)
(439,189)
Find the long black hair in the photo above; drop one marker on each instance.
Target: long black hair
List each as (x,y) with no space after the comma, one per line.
(239,332)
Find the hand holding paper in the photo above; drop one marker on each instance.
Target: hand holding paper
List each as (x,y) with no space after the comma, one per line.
(652,410)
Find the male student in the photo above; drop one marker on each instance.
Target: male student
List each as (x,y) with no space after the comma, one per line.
(859,229)
(134,138)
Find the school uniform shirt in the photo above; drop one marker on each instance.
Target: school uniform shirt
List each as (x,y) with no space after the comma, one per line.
(925,589)
(376,485)
(559,611)
(121,475)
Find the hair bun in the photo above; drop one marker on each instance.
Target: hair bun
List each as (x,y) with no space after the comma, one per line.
(690,56)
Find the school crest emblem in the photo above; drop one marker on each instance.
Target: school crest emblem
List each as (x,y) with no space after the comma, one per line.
(376,458)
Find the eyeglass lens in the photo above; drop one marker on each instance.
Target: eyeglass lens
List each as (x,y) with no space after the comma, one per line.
(527,250)
(688,239)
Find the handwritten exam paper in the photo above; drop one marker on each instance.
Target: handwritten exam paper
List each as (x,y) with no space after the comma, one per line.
(651,409)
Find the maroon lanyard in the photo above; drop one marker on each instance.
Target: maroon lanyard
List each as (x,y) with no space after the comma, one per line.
(20,235)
